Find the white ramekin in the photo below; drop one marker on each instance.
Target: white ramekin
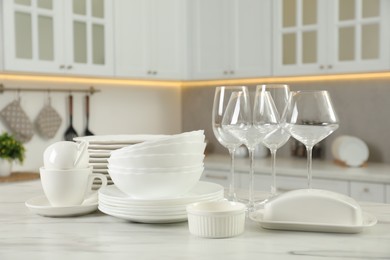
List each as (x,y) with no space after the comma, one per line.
(216,219)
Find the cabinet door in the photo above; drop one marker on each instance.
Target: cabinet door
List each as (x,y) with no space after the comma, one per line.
(359,35)
(299,37)
(167,39)
(367,191)
(249,38)
(33,39)
(89,37)
(131,38)
(210,38)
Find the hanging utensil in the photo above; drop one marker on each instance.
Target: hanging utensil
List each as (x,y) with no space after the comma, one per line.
(70,133)
(87,131)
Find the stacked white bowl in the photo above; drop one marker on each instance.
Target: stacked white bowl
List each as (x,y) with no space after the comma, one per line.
(163,168)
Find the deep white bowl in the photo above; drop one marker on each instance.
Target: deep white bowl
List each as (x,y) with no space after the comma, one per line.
(156,160)
(171,148)
(194,136)
(183,170)
(155,185)
(216,219)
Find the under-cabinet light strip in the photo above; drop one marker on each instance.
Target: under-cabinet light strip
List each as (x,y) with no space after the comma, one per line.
(201,83)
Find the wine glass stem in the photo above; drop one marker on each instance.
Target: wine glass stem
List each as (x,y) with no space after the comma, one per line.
(273,171)
(309,150)
(232,185)
(251,202)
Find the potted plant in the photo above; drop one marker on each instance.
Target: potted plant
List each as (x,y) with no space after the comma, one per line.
(10,150)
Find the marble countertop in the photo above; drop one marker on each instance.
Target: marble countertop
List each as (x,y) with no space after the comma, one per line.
(372,172)
(24,235)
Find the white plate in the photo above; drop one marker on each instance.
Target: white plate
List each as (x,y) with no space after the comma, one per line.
(350,150)
(98,160)
(115,139)
(368,221)
(105,147)
(146,219)
(201,189)
(140,212)
(41,206)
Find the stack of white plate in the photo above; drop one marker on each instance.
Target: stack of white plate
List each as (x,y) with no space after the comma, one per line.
(101,146)
(114,202)
(350,150)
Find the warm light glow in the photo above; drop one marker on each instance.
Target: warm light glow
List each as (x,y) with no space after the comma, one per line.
(200,83)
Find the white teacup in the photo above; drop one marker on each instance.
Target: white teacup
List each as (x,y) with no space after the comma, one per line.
(66,155)
(68,187)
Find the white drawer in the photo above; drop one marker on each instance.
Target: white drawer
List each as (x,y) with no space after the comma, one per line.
(388,193)
(367,191)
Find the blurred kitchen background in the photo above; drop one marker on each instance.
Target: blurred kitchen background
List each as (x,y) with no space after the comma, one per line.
(157,62)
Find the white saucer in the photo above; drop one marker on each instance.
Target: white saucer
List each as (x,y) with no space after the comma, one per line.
(41,206)
(368,221)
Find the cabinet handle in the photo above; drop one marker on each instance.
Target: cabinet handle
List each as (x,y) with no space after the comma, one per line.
(330,67)
(149,72)
(69,67)
(232,72)
(322,67)
(366,190)
(216,177)
(225,72)
(154,72)
(62,66)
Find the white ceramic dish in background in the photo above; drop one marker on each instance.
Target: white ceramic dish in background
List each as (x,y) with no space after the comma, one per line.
(41,206)
(351,150)
(117,139)
(151,186)
(368,221)
(218,219)
(156,170)
(194,136)
(157,160)
(172,148)
(313,206)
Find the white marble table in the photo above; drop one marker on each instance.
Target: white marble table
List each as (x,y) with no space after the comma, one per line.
(24,235)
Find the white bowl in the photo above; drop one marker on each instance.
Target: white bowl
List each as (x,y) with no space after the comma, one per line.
(155,185)
(194,136)
(350,150)
(156,160)
(171,148)
(216,219)
(199,167)
(313,206)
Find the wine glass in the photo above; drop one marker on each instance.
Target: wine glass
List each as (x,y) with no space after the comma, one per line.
(226,139)
(250,128)
(279,94)
(310,117)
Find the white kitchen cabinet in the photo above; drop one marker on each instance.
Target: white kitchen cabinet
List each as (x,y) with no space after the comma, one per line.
(388,194)
(150,38)
(362,191)
(230,38)
(336,36)
(72,37)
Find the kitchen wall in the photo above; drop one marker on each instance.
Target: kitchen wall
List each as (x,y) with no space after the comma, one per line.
(363,107)
(114,110)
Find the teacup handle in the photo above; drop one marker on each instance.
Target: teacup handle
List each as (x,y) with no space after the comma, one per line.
(94,176)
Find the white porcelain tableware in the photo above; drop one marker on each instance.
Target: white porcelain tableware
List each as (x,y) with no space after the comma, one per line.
(155,185)
(156,160)
(350,150)
(171,148)
(184,169)
(314,206)
(118,139)
(41,206)
(68,187)
(217,219)
(65,155)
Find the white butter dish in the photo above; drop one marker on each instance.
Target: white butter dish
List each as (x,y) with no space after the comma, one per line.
(314,206)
